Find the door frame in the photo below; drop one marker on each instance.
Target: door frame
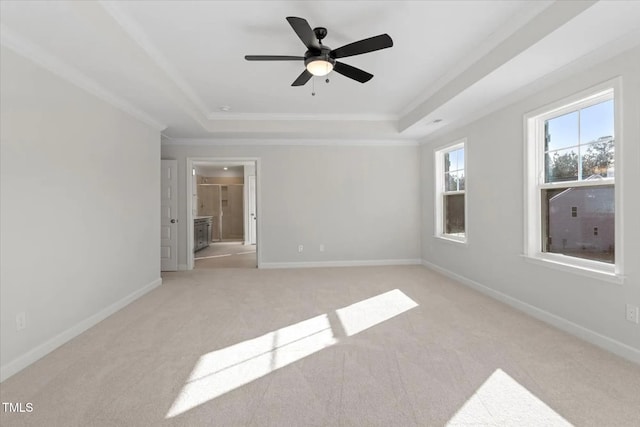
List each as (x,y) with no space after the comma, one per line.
(251,223)
(190,189)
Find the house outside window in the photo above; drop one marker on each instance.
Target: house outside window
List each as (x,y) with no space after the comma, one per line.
(450,203)
(572,156)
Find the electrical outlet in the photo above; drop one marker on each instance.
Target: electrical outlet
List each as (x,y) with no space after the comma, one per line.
(321,248)
(632,313)
(300,248)
(21,321)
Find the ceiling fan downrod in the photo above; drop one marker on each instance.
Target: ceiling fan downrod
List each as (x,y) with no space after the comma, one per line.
(320,32)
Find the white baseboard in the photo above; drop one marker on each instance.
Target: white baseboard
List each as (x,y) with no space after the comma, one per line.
(609,344)
(47,347)
(361,263)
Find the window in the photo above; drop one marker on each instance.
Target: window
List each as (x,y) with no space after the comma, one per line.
(450,192)
(571,203)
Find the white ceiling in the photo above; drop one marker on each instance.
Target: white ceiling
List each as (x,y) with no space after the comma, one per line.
(175,63)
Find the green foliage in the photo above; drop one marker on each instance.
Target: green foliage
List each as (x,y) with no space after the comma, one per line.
(597,159)
(563,167)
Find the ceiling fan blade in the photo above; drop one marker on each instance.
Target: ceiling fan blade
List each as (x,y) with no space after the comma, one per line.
(371,44)
(352,72)
(302,78)
(273,58)
(304,31)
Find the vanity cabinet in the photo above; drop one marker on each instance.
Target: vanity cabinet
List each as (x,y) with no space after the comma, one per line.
(201,232)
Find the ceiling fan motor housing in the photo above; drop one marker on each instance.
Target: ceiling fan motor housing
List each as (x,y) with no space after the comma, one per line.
(319,55)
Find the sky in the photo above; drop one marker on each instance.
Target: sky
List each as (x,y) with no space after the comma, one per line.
(456,159)
(581,127)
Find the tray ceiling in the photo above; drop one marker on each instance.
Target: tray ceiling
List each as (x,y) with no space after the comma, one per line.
(178,64)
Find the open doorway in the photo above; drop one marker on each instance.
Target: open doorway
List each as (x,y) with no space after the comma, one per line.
(223,209)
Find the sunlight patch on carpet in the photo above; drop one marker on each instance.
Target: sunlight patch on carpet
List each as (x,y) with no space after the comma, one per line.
(501,400)
(221,371)
(227,369)
(370,312)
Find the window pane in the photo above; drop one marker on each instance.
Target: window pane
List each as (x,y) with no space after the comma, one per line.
(561,165)
(451,181)
(596,122)
(579,222)
(461,180)
(458,154)
(597,159)
(561,132)
(460,159)
(454,160)
(454,214)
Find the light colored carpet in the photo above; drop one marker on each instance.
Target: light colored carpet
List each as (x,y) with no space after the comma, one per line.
(381,346)
(232,254)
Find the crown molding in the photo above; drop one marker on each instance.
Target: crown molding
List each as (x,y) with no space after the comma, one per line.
(135,32)
(533,31)
(29,50)
(593,59)
(302,117)
(478,52)
(168,141)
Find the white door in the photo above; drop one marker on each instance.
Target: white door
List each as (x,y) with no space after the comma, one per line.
(252,209)
(168,216)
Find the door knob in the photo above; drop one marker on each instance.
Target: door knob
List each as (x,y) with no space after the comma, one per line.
(173,221)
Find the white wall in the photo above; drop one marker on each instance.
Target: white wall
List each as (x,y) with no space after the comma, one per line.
(495,216)
(361,202)
(79,209)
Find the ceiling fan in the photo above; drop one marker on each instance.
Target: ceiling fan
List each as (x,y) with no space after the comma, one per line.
(320,60)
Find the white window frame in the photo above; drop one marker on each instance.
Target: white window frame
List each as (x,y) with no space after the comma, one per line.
(534,183)
(440,191)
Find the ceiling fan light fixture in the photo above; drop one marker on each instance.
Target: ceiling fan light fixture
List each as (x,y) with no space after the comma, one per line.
(319,67)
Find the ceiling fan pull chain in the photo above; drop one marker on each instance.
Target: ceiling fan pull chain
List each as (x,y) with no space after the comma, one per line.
(313,86)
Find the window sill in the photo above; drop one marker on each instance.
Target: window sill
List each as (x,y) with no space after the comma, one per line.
(453,239)
(594,273)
